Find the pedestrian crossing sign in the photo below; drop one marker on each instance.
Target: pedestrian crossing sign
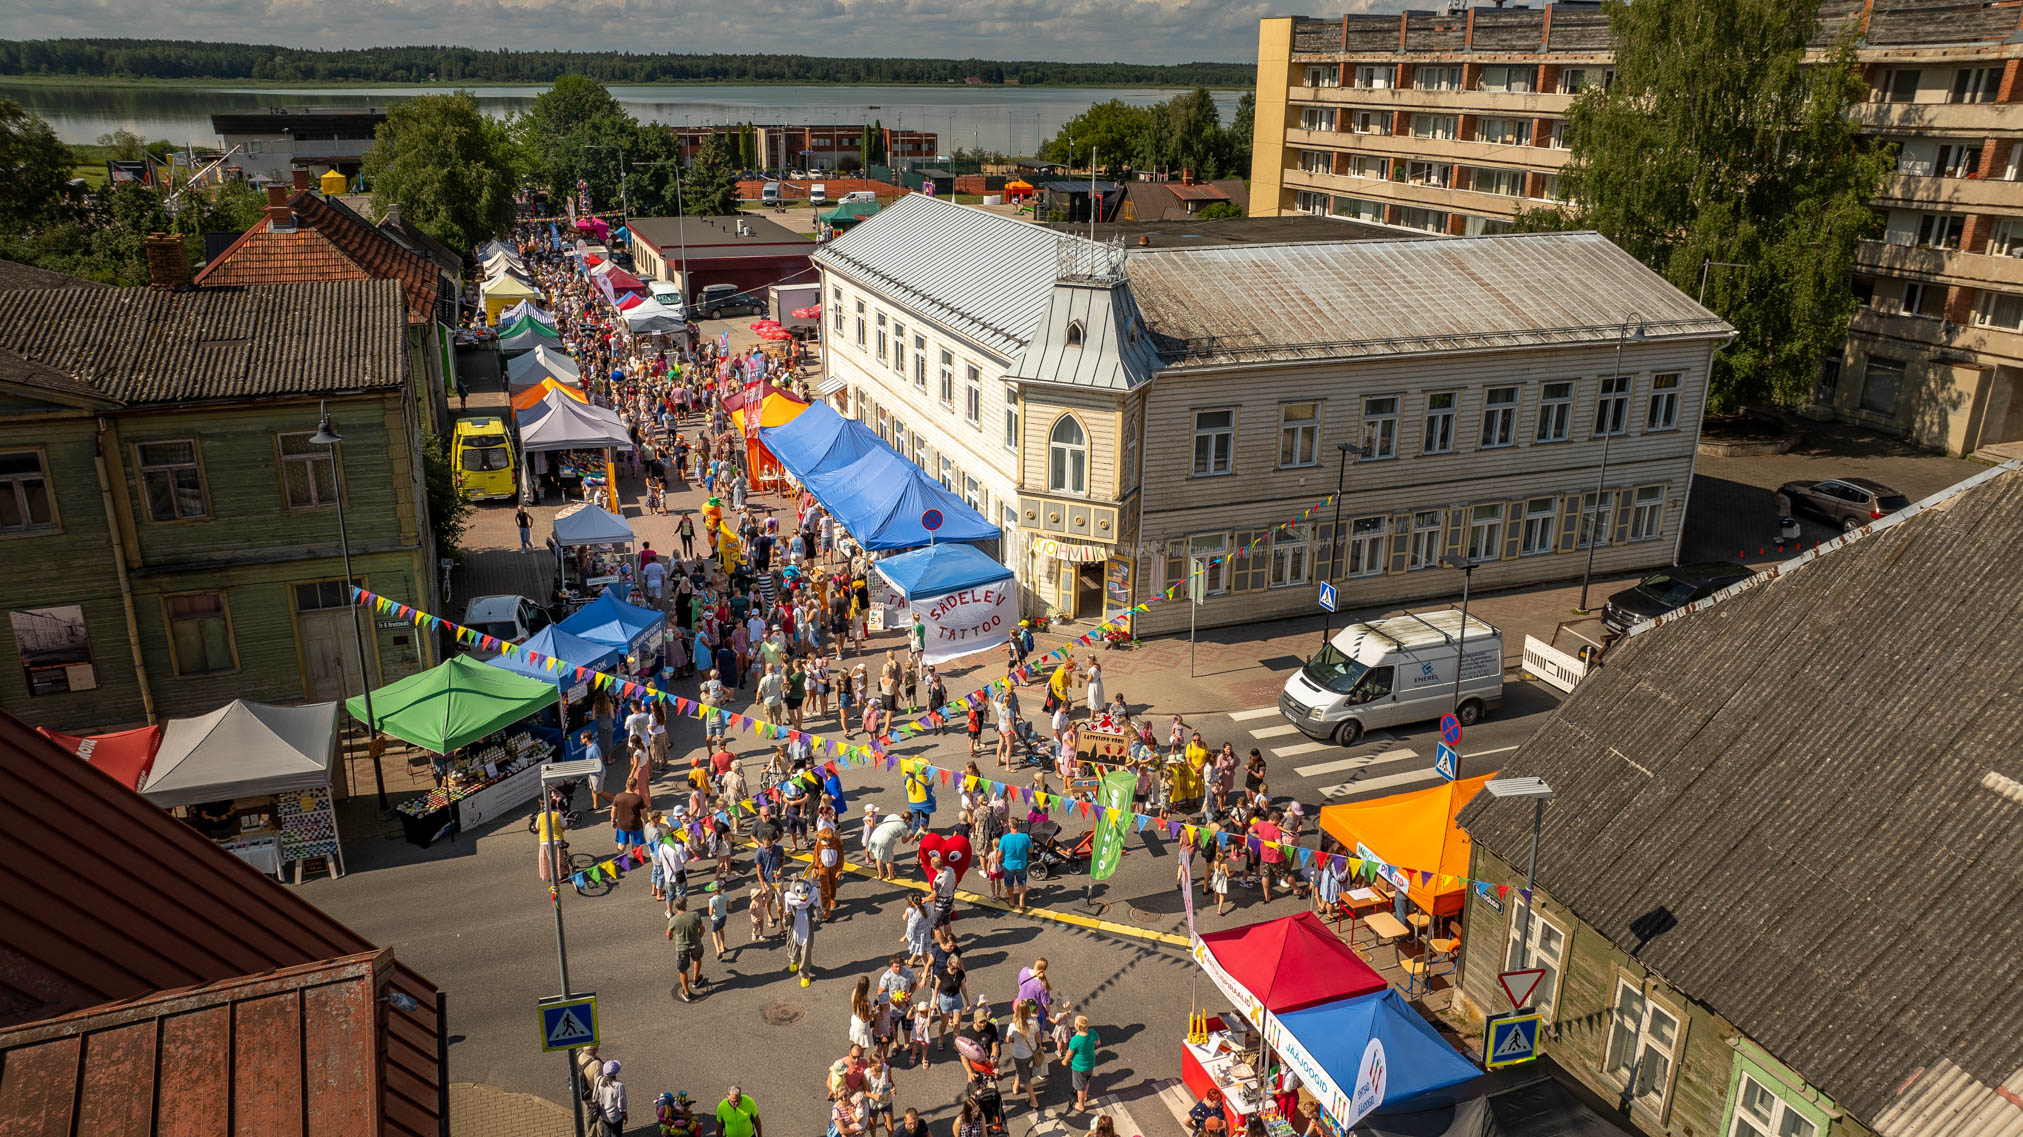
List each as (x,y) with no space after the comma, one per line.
(1510,1039)
(568,1022)
(1447,762)
(1327,597)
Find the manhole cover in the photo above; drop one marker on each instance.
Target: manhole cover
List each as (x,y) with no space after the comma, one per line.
(783,1014)
(1145,918)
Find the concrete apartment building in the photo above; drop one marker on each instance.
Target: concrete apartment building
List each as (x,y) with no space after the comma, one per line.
(822,146)
(1120,409)
(1451,123)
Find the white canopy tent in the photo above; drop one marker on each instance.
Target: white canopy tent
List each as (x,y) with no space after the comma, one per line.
(569,425)
(243,749)
(526,308)
(585,524)
(542,363)
(651,316)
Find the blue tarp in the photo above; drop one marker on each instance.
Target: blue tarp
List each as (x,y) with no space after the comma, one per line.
(609,620)
(818,438)
(572,650)
(870,488)
(941,569)
(1335,1037)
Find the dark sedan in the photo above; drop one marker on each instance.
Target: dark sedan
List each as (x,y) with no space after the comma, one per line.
(1669,590)
(1847,502)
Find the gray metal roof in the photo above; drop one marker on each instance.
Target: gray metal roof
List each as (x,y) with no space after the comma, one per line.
(1115,353)
(986,276)
(1803,807)
(1357,299)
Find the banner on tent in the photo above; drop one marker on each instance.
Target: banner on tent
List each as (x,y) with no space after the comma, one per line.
(969,619)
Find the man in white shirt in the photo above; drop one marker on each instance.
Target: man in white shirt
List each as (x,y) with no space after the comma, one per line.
(773,695)
(671,858)
(655,575)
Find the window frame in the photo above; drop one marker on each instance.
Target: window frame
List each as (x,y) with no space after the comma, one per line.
(1641,1042)
(1303,434)
(1215,576)
(881,337)
(1380,428)
(920,362)
(12,482)
(1072,457)
(1772,1126)
(169,623)
(1544,1000)
(947,377)
(972,395)
(1647,513)
(1364,551)
(1227,436)
(860,325)
(1665,388)
(1540,532)
(1504,414)
(1420,531)
(322,454)
(1612,403)
(1448,418)
(1011,421)
(836,294)
(142,468)
(1492,526)
(1556,409)
(899,347)
(1601,508)
(1291,546)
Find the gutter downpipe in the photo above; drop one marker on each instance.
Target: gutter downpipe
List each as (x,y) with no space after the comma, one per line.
(140,667)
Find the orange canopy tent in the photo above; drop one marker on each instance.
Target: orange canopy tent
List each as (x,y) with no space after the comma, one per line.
(1415,837)
(1017,187)
(539,391)
(763,406)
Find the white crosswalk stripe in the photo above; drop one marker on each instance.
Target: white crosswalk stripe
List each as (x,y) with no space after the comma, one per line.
(1252,713)
(1302,748)
(1360,761)
(1279,731)
(1372,785)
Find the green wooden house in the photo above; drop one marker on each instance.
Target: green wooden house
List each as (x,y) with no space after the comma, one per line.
(169,528)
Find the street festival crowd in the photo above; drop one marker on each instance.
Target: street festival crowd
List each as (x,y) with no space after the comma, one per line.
(771,613)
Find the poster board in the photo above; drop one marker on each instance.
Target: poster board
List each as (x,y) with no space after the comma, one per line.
(307,823)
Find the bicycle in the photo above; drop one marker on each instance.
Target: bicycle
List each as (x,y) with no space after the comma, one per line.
(561,799)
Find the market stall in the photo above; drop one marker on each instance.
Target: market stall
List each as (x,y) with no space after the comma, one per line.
(528,309)
(1415,829)
(561,439)
(967,600)
(572,692)
(1278,965)
(256,779)
(1537,1097)
(124,755)
(526,334)
(598,540)
(651,317)
(755,409)
(635,630)
(473,718)
(882,500)
(1358,1054)
(543,362)
(528,397)
(502,292)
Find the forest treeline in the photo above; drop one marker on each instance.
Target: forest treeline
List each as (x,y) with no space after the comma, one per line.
(188,59)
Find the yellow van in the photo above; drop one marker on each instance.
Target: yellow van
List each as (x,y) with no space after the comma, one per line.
(483,456)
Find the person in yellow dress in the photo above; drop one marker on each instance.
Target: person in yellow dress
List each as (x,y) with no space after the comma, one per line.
(1193,782)
(1059,685)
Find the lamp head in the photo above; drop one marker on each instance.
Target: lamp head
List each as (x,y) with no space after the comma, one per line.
(1517,787)
(326,434)
(1454,562)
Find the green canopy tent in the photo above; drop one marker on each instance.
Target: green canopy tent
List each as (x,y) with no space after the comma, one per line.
(454,704)
(848,214)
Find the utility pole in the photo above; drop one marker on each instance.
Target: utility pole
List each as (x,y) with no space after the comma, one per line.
(1607,428)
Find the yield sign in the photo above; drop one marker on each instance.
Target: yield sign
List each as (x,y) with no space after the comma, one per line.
(1520,985)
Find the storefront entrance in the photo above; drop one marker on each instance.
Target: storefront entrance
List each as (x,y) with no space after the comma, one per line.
(1082,590)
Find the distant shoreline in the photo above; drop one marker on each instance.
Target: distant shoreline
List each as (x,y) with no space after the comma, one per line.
(363,84)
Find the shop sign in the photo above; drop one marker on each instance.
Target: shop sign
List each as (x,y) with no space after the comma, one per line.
(1371,1077)
(968,620)
(1395,876)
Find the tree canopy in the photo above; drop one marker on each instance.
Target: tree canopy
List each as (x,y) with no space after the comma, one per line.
(447,167)
(1718,144)
(576,131)
(1184,132)
(37,168)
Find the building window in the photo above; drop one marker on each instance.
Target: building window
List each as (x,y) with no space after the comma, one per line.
(1504,131)
(1367,166)
(1316,118)
(1424,220)
(1539,515)
(171,484)
(1975,85)
(1376,77)
(1214,442)
(1999,310)
(898,434)
(881,337)
(1366,547)
(1068,457)
(1511,80)
(1075,333)
(1643,1038)
(1425,548)
(1316,161)
(860,323)
(1427,77)
(1958,160)
(1499,417)
(947,379)
(1434,125)
(1664,413)
(1439,438)
(1559,139)
(920,362)
(1299,435)
(308,472)
(1485,532)
(1546,950)
(1574,80)
(1380,427)
(1759,1112)
(836,303)
(1647,513)
(1011,421)
(1370,122)
(1473,226)
(2007,239)
(1289,553)
(1210,549)
(200,634)
(1612,406)
(1439,174)
(1941,230)
(25,504)
(1595,517)
(1323,75)
(1880,382)
(972,396)
(899,348)
(1493,179)
(1555,412)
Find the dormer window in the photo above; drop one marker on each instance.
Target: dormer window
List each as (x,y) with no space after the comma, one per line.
(1074,333)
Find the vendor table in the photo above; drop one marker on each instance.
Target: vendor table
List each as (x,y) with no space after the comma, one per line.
(427,818)
(1355,902)
(512,791)
(263,853)
(1216,1064)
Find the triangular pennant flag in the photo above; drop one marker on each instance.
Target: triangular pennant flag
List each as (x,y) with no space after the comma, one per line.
(1189,830)
(1084,809)
(1502,890)
(1143,821)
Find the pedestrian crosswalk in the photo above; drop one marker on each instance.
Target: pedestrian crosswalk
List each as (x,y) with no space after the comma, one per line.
(1253,713)
(1378,769)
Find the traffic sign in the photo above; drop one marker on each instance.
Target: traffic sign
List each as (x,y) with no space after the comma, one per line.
(1447,762)
(1520,985)
(930,520)
(1450,729)
(568,1021)
(1327,597)
(1510,1039)
(1197,580)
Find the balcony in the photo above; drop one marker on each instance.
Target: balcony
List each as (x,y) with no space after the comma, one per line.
(1531,105)
(1405,193)
(1968,120)
(1959,193)
(1408,147)
(1996,345)
(1978,270)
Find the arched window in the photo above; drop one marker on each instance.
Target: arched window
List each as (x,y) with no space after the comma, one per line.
(1067,457)
(1075,333)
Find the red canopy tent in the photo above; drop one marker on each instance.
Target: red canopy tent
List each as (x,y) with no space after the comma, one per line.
(622,281)
(125,755)
(1283,965)
(632,300)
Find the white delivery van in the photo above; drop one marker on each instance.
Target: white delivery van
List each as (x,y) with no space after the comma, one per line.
(1394,671)
(857,195)
(669,293)
(769,194)
(818,194)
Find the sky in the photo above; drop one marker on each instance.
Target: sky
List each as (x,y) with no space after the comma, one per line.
(1136,31)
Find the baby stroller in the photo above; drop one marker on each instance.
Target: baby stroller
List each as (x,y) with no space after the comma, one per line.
(1033,750)
(982,1088)
(1050,857)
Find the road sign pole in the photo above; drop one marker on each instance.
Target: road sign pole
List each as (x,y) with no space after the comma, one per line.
(1530,875)
(561,944)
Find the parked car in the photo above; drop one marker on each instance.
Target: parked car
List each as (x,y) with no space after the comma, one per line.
(1668,590)
(509,618)
(1847,502)
(720,300)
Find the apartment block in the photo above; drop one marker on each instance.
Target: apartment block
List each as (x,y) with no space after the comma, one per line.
(1452,123)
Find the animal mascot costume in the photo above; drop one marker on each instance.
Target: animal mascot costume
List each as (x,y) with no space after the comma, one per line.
(826,866)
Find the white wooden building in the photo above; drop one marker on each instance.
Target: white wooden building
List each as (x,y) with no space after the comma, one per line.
(1117,412)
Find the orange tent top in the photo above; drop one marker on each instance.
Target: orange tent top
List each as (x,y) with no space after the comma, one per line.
(777,409)
(1415,833)
(539,391)
(1018,184)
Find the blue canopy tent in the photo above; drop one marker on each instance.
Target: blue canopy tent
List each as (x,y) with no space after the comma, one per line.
(609,620)
(574,651)
(816,439)
(881,497)
(1358,1054)
(960,595)
(940,569)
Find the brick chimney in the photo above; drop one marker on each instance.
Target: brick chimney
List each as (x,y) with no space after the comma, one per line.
(1186,177)
(168,262)
(301,176)
(279,217)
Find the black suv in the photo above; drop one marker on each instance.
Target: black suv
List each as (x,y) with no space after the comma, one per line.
(720,300)
(1668,590)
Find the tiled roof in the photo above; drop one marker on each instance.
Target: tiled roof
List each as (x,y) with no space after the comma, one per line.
(329,242)
(144,345)
(1803,808)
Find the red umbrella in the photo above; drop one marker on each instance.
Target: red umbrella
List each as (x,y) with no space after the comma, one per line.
(811,312)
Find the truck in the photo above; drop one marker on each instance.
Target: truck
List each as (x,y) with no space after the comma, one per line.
(818,194)
(769,194)
(1394,671)
(784,298)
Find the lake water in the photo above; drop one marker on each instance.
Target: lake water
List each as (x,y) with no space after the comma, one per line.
(1005,119)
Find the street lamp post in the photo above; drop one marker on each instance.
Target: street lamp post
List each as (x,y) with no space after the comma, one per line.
(1341,479)
(326,435)
(1589,517)
(563,774)
(1467,568)
(1537,791)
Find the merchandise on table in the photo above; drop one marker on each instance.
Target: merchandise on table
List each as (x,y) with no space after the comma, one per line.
(486,780)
